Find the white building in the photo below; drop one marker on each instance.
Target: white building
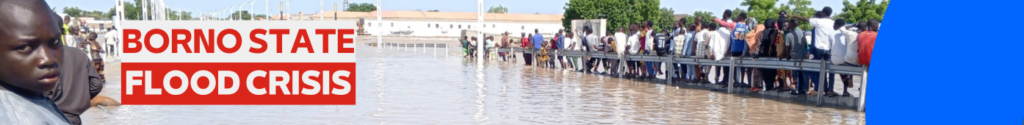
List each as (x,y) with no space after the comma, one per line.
(442,24)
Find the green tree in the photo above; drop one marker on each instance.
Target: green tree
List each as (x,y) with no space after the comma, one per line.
(862,11)
(761,9)
(668,18)
(361,7)
(801,8)
(244,14)
(498,9)
(704,15)
(133,11)
(619,13)
(736,13)
(73,11)
(178,15)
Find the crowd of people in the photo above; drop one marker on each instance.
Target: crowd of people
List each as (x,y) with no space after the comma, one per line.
(732,36)
(469,47)
(50,67)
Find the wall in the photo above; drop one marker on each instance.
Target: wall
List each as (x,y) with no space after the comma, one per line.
(450,28)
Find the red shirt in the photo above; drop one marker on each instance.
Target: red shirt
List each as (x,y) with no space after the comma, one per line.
(554,42)
(643,40)
(866,41)
(525,42)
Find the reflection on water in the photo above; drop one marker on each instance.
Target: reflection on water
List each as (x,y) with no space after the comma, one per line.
(402,87)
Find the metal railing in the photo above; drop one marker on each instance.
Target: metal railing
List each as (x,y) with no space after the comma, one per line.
(769,62)
(417,47)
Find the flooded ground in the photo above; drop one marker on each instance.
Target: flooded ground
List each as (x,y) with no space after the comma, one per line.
(404,87)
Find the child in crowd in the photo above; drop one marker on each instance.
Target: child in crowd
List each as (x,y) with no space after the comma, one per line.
(543,58)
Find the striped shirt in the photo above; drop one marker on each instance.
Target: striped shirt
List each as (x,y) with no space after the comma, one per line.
(22,110)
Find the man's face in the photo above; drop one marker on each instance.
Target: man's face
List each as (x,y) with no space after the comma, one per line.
(785,26)
(30,48)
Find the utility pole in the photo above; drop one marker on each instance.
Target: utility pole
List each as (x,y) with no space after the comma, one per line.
(480,35)
(380,24)
(288,3)
(267,9)
(239,10)
(252,15)
(231,12)
(163,9)
(335,11)
(282,10)
(145,9)
(321,9)
(201,17)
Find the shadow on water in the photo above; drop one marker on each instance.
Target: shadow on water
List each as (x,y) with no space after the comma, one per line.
(401,87)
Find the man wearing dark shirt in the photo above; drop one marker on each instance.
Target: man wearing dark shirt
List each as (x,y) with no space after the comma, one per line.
(78,84)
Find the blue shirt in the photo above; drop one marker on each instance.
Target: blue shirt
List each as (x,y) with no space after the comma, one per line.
(560,42)
(537,40)
(688,42)
(739,43)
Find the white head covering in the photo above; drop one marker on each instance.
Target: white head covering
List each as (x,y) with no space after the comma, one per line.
(751,22)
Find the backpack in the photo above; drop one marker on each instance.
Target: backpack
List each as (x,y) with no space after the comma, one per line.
(739,38)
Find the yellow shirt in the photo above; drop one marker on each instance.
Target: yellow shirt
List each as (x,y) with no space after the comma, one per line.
(62,35)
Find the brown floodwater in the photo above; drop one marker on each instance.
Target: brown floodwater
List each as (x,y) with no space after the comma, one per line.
(402,87)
